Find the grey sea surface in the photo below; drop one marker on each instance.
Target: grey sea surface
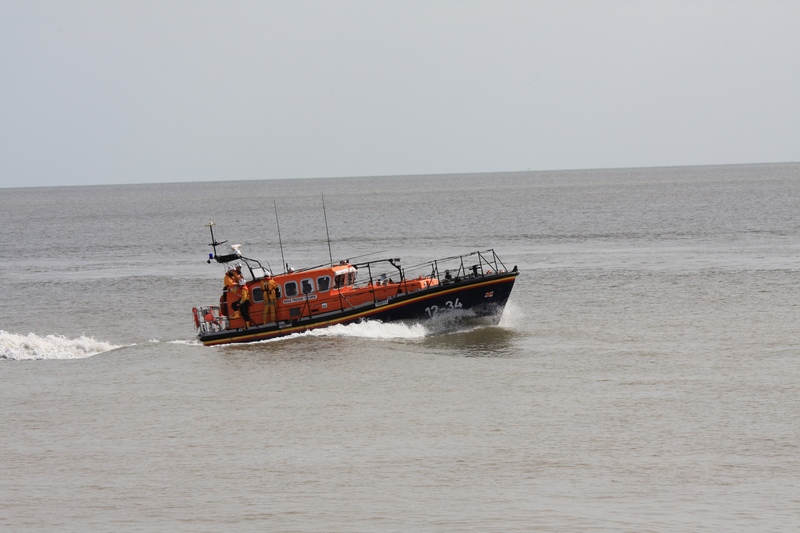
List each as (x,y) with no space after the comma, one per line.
(645,375)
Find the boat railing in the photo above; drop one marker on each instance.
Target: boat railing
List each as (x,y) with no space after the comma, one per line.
(458,267)
(209,319)
(444,270)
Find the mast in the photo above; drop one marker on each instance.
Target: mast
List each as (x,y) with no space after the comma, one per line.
(214,243)
(280,241)
(327,233)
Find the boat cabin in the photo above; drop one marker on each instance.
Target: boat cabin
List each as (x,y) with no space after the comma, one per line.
(320,290)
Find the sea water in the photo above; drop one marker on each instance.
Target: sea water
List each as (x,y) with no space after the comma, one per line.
(645,375)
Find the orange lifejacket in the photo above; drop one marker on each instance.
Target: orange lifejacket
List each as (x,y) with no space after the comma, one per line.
(270,288)
(245,295)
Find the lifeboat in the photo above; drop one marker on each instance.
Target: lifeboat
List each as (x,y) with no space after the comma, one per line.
(473,286)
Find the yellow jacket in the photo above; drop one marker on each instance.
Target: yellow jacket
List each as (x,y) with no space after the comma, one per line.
(270,289)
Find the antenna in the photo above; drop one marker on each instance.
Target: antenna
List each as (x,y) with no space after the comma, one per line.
(325,213)
(210,225)
(280,241)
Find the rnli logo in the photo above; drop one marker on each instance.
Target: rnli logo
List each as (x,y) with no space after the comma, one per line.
(489,294)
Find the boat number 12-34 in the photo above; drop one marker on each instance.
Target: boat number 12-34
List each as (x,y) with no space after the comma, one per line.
(430,311)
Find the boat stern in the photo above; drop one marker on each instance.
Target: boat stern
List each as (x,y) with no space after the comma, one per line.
(209,320)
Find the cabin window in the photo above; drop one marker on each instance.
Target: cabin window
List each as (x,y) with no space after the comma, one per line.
(258,294)
(290,288)
(323,283)
(308,286)
(351,278)
(339,280)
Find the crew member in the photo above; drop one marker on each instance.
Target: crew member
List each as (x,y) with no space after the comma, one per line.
(230,280)
(238,274)
(270,288)
(244,305)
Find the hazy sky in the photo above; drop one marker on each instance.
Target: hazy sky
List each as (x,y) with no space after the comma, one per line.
(98,92)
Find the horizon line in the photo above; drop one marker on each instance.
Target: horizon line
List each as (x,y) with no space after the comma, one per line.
(386,176)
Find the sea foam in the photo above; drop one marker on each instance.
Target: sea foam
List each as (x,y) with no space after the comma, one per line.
(372,329)
(513,316)
(24,347)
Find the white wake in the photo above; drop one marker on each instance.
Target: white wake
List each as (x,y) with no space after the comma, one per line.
(372,329)
(513,316)
(31,346)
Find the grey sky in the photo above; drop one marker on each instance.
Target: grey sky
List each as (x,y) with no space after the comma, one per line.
(147,91)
